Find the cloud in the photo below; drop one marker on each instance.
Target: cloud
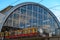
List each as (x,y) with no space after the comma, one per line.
(57,14)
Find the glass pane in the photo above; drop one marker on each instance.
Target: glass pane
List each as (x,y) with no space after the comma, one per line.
(29,7)
(34,8)
(23,11)
(34,14)
(16,16)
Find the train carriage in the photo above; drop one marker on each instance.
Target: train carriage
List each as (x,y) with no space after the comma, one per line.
(26,32)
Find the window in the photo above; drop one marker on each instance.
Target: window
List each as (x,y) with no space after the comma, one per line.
(38,15)
(16,16)
(31,30)
(22,25)
(34,21)
(45,12)
(42,11)
(29,13)
(26,31)
(23,31)
(16,32)
(34,14)
(15,24)
(12,33)
(2,34)
(45,17)
(35,30)
(23,11)
(34,8)
(9,22)
(29,7)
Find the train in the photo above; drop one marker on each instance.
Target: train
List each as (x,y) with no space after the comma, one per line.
(26,32)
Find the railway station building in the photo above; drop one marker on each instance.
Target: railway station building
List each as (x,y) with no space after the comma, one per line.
(26,15)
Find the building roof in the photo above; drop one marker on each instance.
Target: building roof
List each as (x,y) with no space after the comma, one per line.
(6,9)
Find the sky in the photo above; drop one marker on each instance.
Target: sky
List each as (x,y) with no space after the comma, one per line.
(53,5)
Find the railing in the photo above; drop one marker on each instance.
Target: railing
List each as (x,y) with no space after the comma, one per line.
(34,38)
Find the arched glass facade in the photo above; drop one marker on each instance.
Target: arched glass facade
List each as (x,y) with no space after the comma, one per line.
(31,16)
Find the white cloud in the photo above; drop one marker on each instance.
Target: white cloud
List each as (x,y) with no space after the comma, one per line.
(57,14)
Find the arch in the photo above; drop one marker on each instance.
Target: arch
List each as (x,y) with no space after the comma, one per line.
(19,5)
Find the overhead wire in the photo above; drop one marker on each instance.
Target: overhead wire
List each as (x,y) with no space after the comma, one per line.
(19,0)
(15,2)
(41,0)
(53,7)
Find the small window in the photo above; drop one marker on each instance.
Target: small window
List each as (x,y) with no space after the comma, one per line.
(31,30)
(34,8)
(26,31)
(6,33)
(12,33)
(45,12)
(34,14)
(39,9)
(19,32)
(35,30)
(16,32)
(29,7)
(23,32)
(9,22)
(16,16)
(23,11)
(2,34)
(29,13)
